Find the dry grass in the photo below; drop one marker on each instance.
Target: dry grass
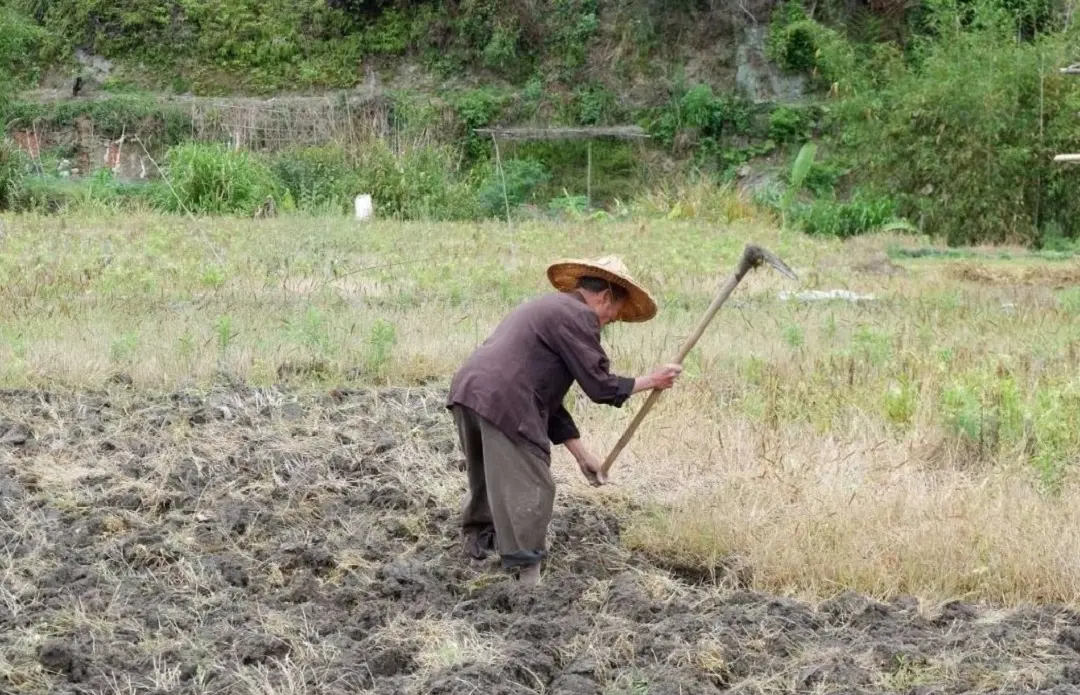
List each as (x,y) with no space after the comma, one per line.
(919,444)
(824,516)
(1056,277)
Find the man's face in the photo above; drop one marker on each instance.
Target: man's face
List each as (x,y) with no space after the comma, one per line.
(608,309)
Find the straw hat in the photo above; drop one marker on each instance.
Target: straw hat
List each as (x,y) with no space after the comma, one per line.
(639,306)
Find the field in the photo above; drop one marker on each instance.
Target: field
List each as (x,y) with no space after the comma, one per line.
(225,466)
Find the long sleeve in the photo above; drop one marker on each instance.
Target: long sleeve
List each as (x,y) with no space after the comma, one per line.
(561,426)
(578,344)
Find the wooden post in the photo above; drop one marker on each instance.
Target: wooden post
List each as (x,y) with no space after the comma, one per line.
(1073,69)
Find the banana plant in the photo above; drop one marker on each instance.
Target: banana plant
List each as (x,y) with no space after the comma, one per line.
(799,170)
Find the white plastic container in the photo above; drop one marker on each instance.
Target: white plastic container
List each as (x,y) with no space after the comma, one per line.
(365,210)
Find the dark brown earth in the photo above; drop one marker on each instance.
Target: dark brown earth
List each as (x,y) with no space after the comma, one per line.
(257,541)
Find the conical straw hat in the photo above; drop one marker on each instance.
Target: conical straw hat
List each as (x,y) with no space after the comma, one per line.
(639,306)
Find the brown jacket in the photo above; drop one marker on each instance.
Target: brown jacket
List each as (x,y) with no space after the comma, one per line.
(518,378)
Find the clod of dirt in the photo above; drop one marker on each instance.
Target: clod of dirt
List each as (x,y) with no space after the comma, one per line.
(60,657)
(954,611)
(854,610)
(209,414)
(304,588)
(383,445)
(232,571)
(1070,637)
(306,556)
(836,671)
(14,434)
(878,264)
(258,649)
(890,656)
(391,661)
(571,684)
(120,379)
(402,579)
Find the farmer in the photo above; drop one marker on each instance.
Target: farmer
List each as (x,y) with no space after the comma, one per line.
(507,402)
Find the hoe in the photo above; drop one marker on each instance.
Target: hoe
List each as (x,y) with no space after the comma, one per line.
(753,256)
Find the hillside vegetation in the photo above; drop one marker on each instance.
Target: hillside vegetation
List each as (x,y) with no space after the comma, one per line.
(942,113)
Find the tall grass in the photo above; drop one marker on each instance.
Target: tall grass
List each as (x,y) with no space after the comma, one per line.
(214,179)
(12,165)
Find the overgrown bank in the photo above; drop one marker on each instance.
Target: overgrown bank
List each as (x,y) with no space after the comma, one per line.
(945,114)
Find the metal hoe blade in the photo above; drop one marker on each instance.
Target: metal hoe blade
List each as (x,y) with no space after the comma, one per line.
(754,256)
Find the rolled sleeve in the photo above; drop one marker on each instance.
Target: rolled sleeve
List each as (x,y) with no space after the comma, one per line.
(624,389)
(561,427)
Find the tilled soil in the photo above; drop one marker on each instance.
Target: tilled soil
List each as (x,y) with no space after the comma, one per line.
(259,541)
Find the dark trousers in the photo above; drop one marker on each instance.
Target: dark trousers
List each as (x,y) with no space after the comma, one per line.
(511,493)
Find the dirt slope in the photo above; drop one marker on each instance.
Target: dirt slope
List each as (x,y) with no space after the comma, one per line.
(260,541)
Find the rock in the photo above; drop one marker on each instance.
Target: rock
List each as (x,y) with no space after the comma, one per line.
(758,78)
(94,67)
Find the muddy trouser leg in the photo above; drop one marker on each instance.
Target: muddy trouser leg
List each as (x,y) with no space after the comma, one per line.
(521,495)
(476,521)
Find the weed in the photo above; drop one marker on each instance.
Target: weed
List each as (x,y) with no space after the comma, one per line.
(212,179)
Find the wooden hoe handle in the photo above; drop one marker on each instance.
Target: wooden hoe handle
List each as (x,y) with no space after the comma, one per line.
(752,257)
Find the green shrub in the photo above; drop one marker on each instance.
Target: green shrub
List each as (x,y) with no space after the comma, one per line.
(477,108)
(715,115)
(99,190)
(418,183)
(212,179)
(799,44)
(523,176)
(318,178)
(19,44)
(823,177)
(571,25)
(966,137)
(788,125)
(595,105)
(501,50)
(13,167)
(616,169)
(863,213)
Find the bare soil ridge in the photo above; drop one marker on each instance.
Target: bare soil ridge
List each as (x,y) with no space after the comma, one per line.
(259,540)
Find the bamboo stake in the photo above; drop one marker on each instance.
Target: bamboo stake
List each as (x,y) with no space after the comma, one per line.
(506,198)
